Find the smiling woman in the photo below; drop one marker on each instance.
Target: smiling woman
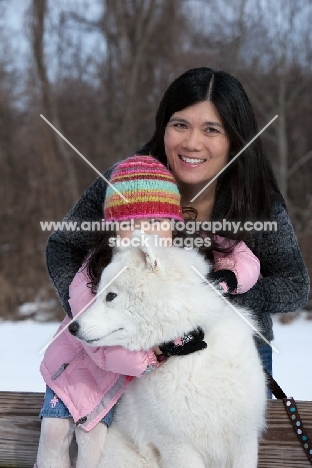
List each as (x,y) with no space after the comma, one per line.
(204,119)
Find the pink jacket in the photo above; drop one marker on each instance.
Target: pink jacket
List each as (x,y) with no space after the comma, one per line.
(90,380)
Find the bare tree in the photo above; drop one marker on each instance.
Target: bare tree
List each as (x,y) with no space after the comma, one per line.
(39,13)
(288,47)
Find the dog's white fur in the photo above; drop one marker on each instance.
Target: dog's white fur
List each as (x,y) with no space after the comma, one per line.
(202,410)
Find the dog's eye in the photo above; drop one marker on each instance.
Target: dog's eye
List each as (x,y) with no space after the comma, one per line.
(110,296)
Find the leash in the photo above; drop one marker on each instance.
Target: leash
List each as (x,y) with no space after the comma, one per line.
(293,414)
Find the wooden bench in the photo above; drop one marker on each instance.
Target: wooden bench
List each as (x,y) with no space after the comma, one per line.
(20,427)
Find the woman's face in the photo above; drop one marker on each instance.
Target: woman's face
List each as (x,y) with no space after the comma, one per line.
(196,144)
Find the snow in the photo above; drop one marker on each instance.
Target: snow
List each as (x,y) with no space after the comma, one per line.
(38,308)
(292,365)
(20,343)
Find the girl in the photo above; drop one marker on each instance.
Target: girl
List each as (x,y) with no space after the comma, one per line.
(84,383)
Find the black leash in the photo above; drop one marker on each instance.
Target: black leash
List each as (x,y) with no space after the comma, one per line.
(293,414)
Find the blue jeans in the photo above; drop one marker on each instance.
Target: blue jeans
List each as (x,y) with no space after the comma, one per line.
(53,407)
(265,353)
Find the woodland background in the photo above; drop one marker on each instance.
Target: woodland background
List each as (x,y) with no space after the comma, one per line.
(97,70)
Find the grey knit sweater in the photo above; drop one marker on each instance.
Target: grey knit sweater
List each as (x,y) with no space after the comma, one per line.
(284,285)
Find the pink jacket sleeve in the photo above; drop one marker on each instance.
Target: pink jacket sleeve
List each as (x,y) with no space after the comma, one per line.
(241,261)
(112,358)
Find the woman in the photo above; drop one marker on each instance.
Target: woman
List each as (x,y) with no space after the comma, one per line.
(203,121)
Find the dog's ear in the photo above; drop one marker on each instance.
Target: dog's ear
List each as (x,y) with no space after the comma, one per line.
(147,245)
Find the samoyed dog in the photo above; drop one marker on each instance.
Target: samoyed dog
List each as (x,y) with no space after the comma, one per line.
(206,409)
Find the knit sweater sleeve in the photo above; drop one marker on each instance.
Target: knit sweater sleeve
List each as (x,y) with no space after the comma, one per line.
(284,286)
(66,250)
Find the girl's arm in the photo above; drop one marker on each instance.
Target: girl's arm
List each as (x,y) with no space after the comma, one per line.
(122,361)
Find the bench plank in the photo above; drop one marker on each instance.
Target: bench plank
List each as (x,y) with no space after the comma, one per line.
(280,446)
(20,428)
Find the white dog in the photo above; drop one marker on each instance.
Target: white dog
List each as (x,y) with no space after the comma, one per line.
(202,410)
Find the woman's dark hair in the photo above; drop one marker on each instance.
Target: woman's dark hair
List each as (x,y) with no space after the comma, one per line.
(249,181)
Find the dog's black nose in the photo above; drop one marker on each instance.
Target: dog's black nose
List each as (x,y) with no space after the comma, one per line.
(73,328)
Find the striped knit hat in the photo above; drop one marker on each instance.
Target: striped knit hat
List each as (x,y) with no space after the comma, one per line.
(148,186)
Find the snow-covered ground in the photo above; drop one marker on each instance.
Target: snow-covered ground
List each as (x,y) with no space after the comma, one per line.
(20,343)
